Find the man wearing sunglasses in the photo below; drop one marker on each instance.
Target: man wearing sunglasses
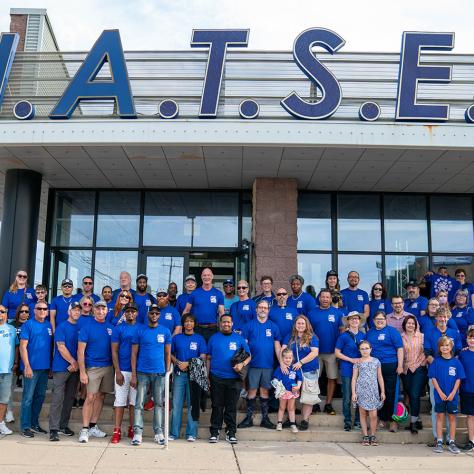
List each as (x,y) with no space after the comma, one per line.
(243,310)
(169,316)
(281,314)
(60,304)
(36,344)
(229,294)
(87,290)
(41,293)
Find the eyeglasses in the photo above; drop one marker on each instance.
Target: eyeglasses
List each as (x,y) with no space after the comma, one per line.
(378,289)
(2,311)
(125,296)
(242,287)
(22,276)
(282,294)
(24,311)
(86,304)
(377,320)
(39,308)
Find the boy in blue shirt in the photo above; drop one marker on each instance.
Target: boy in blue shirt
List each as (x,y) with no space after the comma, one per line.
(60,304)
(446,374)
(467,388)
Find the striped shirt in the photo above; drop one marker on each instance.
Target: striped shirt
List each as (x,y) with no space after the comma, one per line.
(413,353)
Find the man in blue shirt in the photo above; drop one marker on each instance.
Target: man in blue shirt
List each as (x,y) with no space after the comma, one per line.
(300,300)
(143,299)
(263,338)
(169,316)
(65,370)
(432,337)
(266,285)
(327,323)
(8,363)
(224,378)
(428,320)
(41,293)
(207,304)
(95,365)
(151,359)
(441,281)
(60,304)
(355,299)
(229,294)
(36,344)
(281,314)
(87,290)
(415,304)
(189,287)
(125,280)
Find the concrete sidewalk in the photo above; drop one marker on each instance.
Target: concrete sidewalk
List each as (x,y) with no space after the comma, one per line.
(19,455)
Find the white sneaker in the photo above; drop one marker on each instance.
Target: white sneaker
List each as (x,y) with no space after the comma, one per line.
(191,439)
(97,432)
(137,439)
(294,429)
(84,435)
(9,418)
(160,439)
(243,393)
(4,430)
(279,426)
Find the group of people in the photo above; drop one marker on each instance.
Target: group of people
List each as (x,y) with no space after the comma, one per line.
(269,348)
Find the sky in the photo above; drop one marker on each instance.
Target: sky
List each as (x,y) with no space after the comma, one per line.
(366,25)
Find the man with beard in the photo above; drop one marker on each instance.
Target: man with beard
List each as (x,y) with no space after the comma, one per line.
(300,300)
(142,298)
(354,298)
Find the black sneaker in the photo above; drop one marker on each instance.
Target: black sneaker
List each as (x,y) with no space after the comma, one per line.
(432,444)
(329,409)
(28,433)
(230,438)
(316,408)
(286,424)
(213,439)
(247,422)
(418,425)
(468,447)
(303,425)
(266,423)
(54,435)
(66,431)
(347,427)
(38,429)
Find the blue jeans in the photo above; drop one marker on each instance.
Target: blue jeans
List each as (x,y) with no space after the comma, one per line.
(433,414)
(180,391)
(157,384)
(34,391)
(414,383)
(347,401)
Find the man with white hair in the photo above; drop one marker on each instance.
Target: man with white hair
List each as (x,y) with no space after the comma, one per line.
(125,280)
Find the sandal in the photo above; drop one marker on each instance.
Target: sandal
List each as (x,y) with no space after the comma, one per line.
(373,441)
(365,441)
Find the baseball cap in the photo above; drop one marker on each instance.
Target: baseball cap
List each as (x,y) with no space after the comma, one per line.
(75,304)
(130,306)
(190,277)
(100,303)
(332,273)
(67,281)
(154,307)
(142,275)
(162,291)
(412,283)
(229,281)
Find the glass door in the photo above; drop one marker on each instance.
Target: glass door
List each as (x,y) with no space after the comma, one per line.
(163,269)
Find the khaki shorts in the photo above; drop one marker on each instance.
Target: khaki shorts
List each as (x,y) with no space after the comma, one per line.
(101,379)
(329,362)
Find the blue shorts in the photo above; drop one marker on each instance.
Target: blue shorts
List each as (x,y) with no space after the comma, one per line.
(467,404)
(5,388)
(258,377)
(447,407)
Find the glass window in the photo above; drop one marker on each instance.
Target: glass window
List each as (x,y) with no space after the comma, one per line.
(314,221)
(163,270)
(453,263)
(247,221)
(73,264)
(118,222)
(313,268)
(400,269)
(109,264)
(451,224)
(369,268)
(73,219)
(358,222)
(406,227)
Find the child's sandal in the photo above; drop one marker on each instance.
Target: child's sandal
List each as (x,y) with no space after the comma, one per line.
(365,441)
(373,441)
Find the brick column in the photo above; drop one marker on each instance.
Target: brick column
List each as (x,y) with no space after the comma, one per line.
(18,25)
(274,229)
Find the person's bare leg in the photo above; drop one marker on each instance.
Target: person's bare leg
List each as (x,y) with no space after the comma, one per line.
(291,407)
(373,421)
(281,410)
(306,411)
(363,421)
(470,427)
(439,425)
(452,426)
(131,412)
(3,410)
(118,416)
(87,409)
(97,407)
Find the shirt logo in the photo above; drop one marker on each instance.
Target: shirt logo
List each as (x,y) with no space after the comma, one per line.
(360,297)
(50,332)
(292,376)
(381,337)
(168,316)
(442,284)
(331,318)
(299,304)
(289,316)
(193,346)
(160,338)
(148,302)
(245,307)
(213,299)
(109,331)
(268,332)
(28,296)
(414,305)
(382,306)
(232,346)
(452,371)
(459,315)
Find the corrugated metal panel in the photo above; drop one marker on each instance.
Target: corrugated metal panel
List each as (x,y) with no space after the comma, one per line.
(266,77)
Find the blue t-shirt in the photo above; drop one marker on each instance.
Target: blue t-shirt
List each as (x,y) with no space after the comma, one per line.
(242,312)
(97,336)
(117,292)
(348,344)
(151,349)
(415,307)
(221,348)
(187,346)
(377,305)
(290,379)
(60,304)
(432,338)
(261,339)
(427,323)
(354,300)
(271,300)
(79,296)
(181,302)
(228,302)
(467,360)
(385,343)
(304,303)
(11,301)
(284,318)
(442,283)
(205,304)
(303,351)
(326,324)
(124,335)
(461,316)
(32,310)
(143,302)
(8,342)
(40,343)
(170,318)
(67,333)
(115,320)
(446,372)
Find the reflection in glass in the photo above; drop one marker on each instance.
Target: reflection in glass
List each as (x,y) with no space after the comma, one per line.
(73,264)
(400,269)
(368,266)
(247,221)
(163,270)
(453,263)
(73,218)
(109,264)
(314,221)
(313,268)
(118,222)
(406,228)
(451,224)
(358,222)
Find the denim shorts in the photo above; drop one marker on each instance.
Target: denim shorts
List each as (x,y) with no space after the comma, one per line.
(5,388)
(259,378)
(447,407)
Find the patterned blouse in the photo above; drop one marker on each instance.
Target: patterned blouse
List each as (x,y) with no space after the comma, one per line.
(413,354)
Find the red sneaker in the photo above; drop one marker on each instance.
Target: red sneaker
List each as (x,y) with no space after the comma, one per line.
(117,436)
(130,432)
(149,405)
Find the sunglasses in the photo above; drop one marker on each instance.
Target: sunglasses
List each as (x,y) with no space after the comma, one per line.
(67,286)
(22,276)
(86,304)
(242,287)
(87,283)
(24,311)
(378,289)
(154,313)
(39,308)
(125,296)
(2,311)
(282,294)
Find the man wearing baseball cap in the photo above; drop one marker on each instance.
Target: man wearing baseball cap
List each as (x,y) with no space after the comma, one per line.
(229,294)
(415,304)
(60,304)
(142,298)
(169,316)
(300,300)
(189,287)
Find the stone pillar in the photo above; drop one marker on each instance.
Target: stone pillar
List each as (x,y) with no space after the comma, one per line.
(275,203)
(18,24)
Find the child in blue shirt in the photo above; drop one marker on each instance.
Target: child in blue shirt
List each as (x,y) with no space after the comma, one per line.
(466,357)
(292,381)
(446,373)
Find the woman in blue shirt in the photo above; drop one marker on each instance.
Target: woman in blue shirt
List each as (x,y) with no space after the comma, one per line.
(378,302)
(460,312)
(18,293)
(117,317)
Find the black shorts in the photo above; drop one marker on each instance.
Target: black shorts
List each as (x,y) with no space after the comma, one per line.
(467,403)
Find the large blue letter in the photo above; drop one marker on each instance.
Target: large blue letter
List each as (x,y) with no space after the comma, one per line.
(411,73)
(8,45)
(317,73)
(217,41)
(108,48)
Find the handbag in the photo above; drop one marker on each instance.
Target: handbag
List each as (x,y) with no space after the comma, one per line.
(310,387)
(238,358)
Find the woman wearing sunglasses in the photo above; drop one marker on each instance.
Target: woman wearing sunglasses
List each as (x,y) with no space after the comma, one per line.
(378,302)
(118,316)
(18,293)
